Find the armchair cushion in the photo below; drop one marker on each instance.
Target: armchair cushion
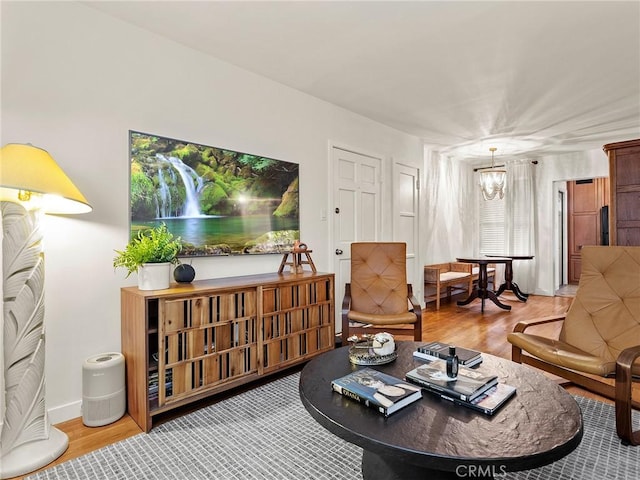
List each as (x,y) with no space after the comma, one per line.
(561,353)
(446,276)
(391,319)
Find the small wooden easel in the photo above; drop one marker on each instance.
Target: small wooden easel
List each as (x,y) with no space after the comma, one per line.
(297,261)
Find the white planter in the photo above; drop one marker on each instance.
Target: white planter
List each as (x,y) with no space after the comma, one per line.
(154,276)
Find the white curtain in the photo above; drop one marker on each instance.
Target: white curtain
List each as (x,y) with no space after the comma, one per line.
(520,221)
(449,229)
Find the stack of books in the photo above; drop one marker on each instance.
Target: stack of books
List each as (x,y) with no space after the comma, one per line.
(470,388)
(466,386)
(466,357)
(388,394)
(153,384)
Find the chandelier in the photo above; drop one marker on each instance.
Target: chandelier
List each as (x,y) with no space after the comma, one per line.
(492,180)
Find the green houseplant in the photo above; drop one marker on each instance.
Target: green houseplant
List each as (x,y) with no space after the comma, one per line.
(151,250)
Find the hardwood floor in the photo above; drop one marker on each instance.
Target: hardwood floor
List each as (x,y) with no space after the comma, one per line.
(465,326)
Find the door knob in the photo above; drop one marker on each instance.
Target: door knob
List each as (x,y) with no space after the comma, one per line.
(338,251)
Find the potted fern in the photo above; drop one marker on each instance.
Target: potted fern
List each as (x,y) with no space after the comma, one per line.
(151,253)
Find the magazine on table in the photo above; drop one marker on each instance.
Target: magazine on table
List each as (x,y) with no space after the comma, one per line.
(466,386)
(378,390)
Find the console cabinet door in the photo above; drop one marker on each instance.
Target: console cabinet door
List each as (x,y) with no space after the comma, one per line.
(206,341)
(296,322)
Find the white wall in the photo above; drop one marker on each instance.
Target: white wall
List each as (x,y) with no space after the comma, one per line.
(74,82)
(570,166)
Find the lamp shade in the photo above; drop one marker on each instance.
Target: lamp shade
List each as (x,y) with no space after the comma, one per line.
(26,170)
(492,180)
(492,183)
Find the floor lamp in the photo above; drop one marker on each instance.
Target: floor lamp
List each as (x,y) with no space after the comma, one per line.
(31,184)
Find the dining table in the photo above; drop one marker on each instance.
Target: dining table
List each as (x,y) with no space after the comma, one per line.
(508,283)
(481,290)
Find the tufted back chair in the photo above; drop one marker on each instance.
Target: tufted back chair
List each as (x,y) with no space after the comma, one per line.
(379,278)
(600,335)
(604,318)
(378,294)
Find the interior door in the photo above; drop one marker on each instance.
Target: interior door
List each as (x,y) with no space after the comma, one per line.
(406,200)
(584,200)
(357,211)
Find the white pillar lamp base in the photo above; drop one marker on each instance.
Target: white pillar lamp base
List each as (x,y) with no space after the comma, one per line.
(27,440)
(34,455)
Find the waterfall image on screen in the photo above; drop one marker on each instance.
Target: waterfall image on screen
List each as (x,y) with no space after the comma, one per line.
(218,201)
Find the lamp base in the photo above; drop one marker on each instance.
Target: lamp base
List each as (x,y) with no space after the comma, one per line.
(34,455)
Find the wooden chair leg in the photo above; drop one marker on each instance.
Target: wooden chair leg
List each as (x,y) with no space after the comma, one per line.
(624,380)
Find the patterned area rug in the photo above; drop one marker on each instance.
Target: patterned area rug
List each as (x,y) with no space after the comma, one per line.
(266,433)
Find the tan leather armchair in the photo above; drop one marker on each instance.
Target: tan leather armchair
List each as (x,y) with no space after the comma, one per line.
(600,335)
(378,296)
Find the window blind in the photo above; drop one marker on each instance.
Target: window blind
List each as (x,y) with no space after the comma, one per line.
(492,241)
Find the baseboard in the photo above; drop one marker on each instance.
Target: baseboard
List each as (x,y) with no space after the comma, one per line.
(65,412)
(543,292)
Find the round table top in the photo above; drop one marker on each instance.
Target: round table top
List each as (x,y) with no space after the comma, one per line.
(484,260)
(514,257)
(539,425)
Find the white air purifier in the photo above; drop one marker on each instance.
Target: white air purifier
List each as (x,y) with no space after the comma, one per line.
(104,398)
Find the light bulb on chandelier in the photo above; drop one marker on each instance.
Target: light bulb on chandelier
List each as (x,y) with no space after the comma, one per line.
(492,180)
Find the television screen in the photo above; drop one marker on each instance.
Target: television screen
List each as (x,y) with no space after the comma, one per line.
(218,201)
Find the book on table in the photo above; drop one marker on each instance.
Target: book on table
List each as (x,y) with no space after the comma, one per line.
(466,356)
(378,390)
(466,386)
(490,401)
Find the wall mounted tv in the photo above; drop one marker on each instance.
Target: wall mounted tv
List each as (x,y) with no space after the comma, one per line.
(218,201)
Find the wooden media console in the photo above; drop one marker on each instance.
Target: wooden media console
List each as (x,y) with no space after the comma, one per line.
(194,340)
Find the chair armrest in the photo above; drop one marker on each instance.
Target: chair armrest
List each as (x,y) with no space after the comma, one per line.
(624,400)
(524,324)
(431,274)
(627,357)
(346,306)
(417,309)
(346,301)
(461,267)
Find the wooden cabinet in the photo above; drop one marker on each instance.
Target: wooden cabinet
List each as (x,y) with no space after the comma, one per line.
(191,341)
(624,205)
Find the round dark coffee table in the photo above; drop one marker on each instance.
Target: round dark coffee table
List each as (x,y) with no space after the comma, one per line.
(434,438)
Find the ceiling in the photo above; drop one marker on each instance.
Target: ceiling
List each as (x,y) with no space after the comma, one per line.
(531,78)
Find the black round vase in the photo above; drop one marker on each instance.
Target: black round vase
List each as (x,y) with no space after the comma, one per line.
(184,273)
